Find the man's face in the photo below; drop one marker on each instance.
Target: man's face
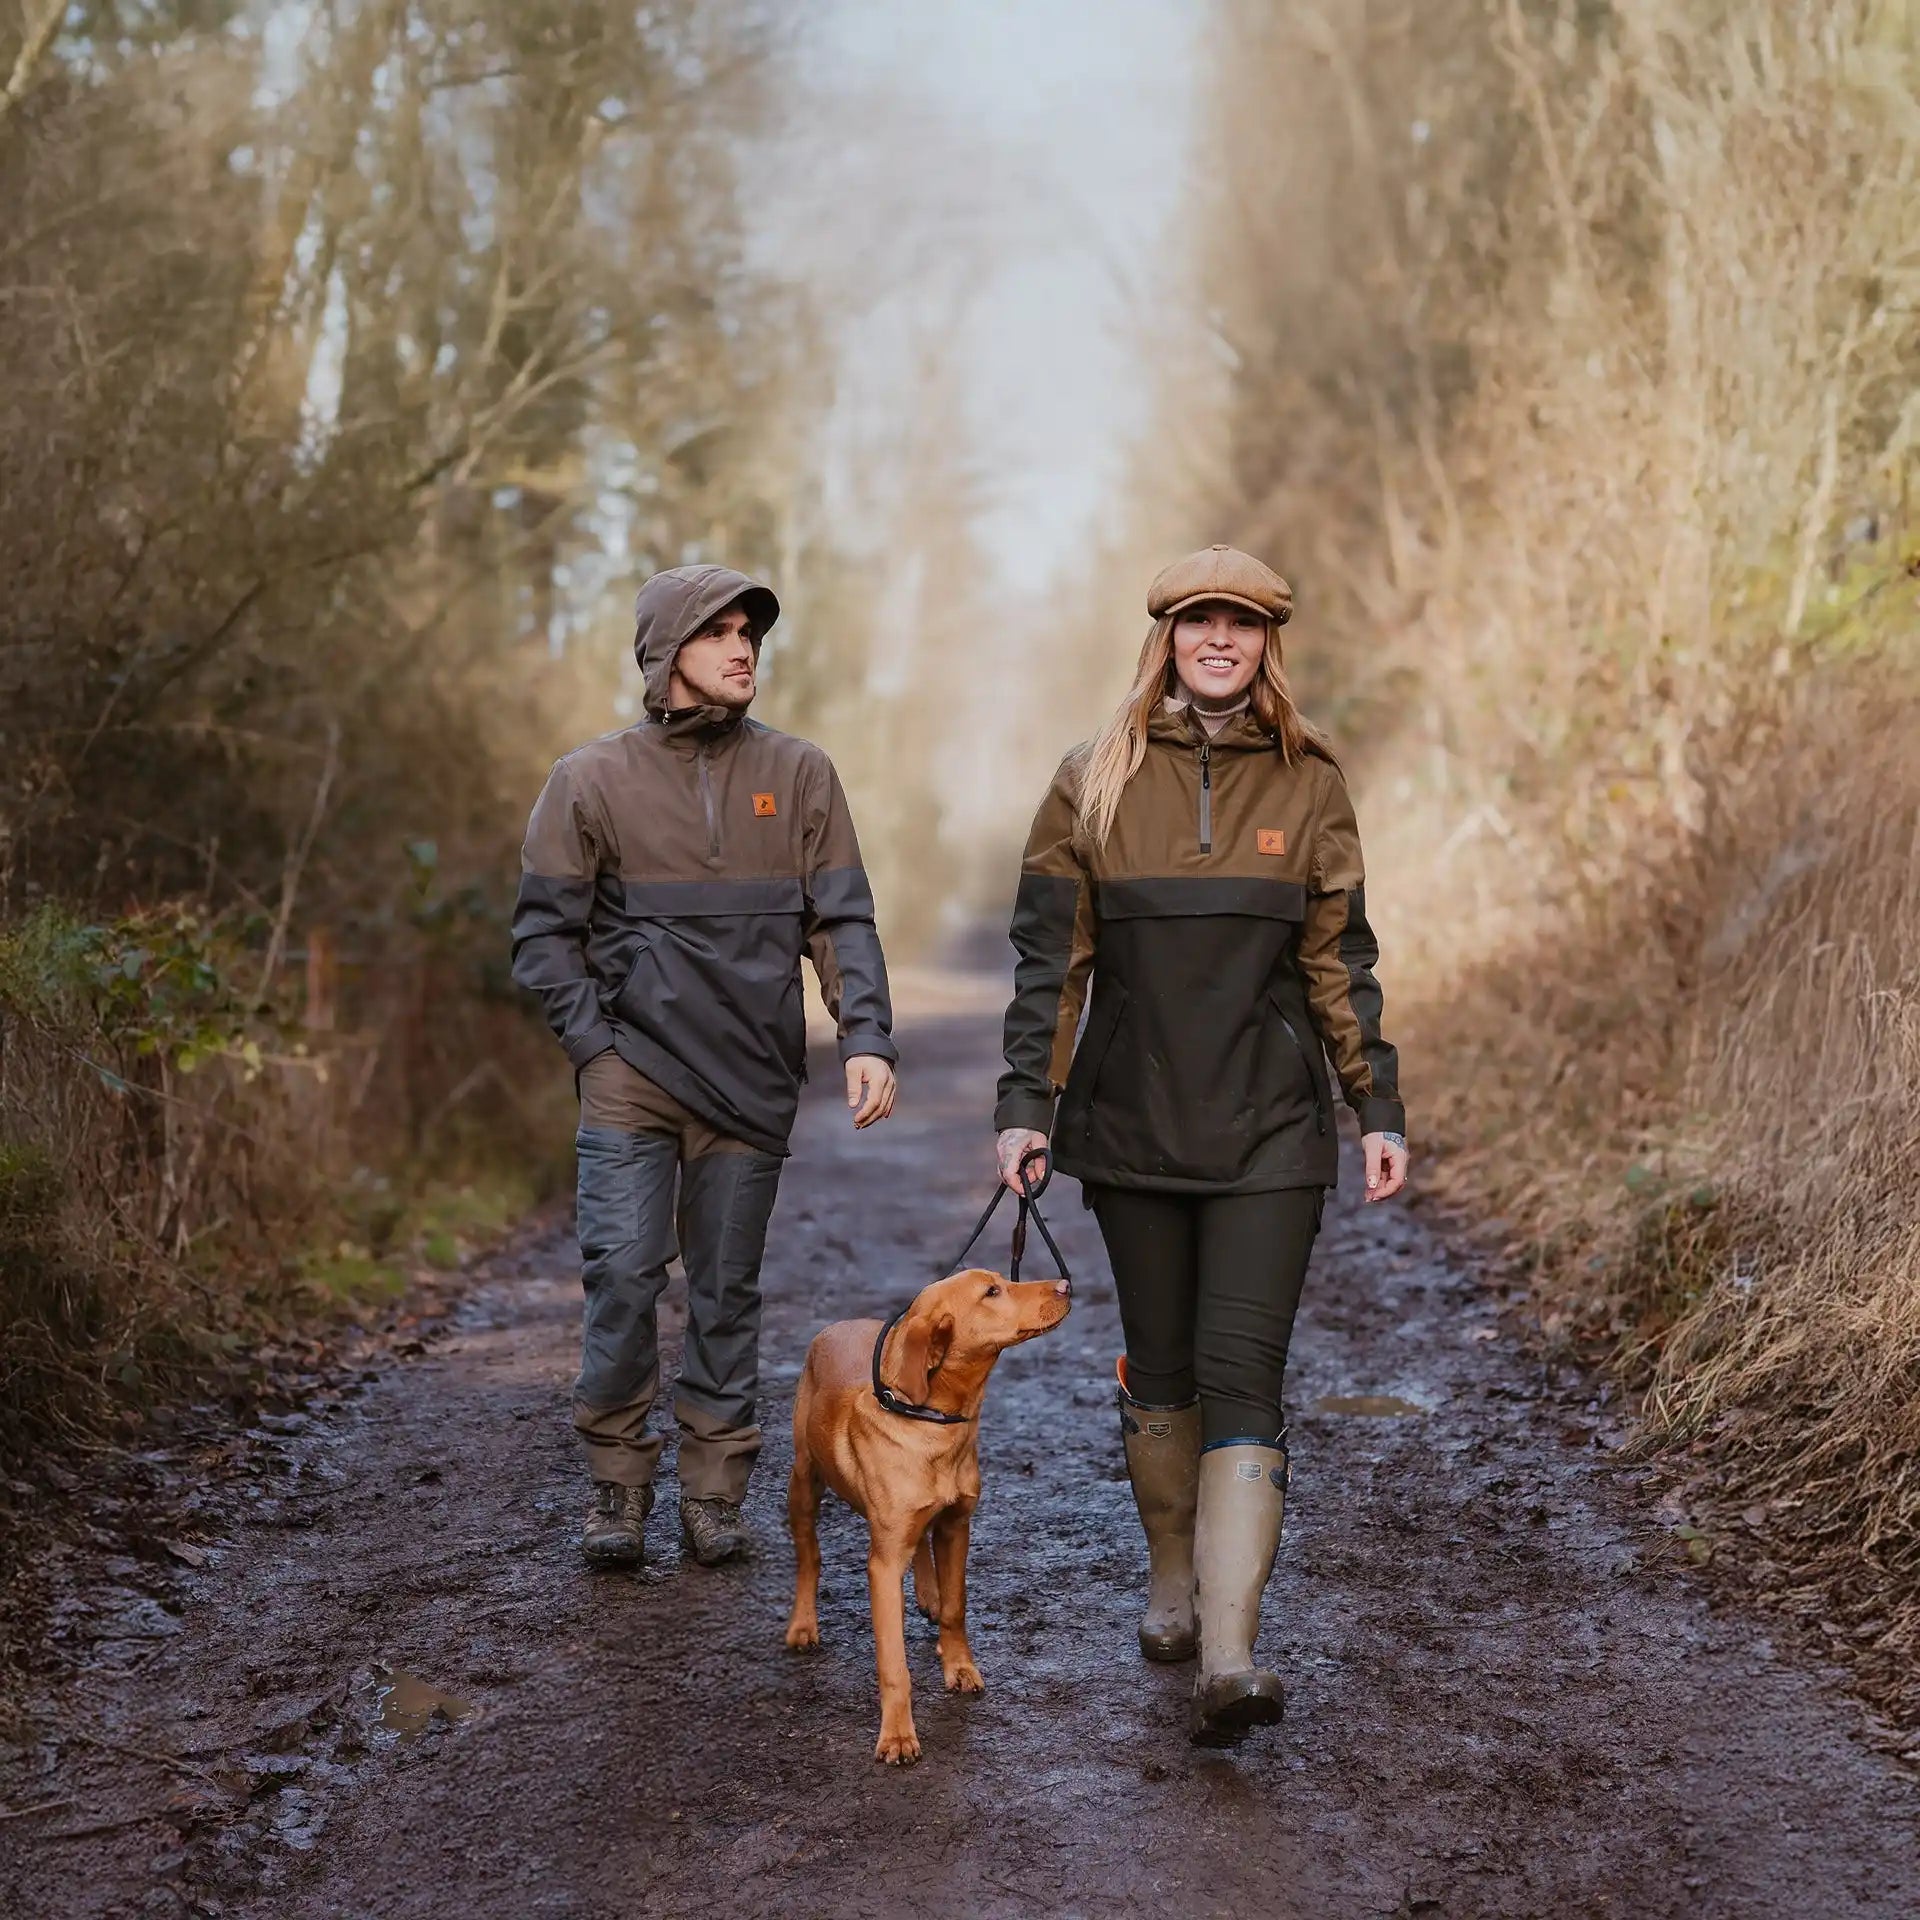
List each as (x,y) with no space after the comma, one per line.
(717,667)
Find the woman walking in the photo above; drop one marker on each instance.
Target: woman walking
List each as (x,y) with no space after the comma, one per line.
(1198,867)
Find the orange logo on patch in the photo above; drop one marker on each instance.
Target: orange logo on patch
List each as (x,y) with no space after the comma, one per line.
(764,806)
(1270,840)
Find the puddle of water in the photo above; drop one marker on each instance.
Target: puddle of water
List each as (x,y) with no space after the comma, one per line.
(409,1705)
(1372,1406)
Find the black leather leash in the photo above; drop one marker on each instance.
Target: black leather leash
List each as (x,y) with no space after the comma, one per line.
(1030,1192)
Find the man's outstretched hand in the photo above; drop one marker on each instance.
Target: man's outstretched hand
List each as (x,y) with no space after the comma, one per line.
(870,1088)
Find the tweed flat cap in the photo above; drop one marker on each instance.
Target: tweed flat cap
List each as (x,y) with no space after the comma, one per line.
(1221,573)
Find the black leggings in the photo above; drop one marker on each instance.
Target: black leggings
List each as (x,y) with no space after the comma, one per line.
(1208,1287)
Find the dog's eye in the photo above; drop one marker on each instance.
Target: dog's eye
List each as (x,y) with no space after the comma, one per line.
(992,1293)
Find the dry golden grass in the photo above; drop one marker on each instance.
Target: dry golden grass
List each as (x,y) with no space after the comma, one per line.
(1702,1127)
(1573,376)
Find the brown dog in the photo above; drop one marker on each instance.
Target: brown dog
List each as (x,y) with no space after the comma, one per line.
(916,1480)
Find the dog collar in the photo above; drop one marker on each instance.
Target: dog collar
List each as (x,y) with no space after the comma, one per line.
(907,1409)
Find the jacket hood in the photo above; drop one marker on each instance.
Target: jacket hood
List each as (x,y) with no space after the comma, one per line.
(673,606)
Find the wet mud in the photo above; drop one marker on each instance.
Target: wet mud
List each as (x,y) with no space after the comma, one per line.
(379,1682)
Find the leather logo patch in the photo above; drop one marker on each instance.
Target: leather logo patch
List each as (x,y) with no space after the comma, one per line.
(764,806)
(1270,840)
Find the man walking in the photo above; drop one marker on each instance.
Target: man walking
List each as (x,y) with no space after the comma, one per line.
(673,875)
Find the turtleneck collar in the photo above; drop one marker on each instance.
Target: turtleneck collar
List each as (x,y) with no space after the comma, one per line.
(1213,718)
(1177,720)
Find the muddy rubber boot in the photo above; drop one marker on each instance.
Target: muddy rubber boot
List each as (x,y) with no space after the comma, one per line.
(1163,1462)
(613,1536)
(1243,1496)
(713,1530)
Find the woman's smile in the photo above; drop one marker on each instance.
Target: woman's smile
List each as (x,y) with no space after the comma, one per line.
(1217,646)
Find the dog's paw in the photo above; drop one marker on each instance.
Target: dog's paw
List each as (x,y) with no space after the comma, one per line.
(964,1677)
(898,1749)
(803,1635)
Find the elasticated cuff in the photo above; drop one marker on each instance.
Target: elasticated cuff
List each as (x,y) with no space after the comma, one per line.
(869,1041)
(1033,1111)
(1378,1115)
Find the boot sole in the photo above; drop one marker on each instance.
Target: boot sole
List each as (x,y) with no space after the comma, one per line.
(1167,1650)
(619,1554)
(1224,1721)
(724,1557)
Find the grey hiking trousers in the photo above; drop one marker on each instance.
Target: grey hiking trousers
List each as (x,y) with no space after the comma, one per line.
(634,1141)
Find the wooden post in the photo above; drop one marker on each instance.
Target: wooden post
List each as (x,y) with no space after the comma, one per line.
(323,981)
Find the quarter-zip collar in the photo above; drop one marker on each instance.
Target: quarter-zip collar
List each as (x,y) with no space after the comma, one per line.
(691,727)
(700,734)
(1177,726)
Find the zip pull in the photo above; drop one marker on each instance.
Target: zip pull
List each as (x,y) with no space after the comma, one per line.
(1206,796)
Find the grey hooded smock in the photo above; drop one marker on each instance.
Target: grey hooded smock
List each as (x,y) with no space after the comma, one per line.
(672,877)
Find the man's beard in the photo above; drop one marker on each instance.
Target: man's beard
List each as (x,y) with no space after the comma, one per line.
(730,694)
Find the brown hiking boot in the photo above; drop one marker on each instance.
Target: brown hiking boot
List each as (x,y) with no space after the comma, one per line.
(713,1530)
(612,1536)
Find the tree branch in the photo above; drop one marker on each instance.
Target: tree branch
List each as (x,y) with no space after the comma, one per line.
(33,49)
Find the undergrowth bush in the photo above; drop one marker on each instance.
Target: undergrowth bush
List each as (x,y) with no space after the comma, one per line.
(350,377)
(184,1167)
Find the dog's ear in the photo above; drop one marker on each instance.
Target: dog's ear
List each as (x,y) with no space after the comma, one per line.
(924,1340)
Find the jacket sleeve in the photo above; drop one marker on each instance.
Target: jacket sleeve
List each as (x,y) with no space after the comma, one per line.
(1052,935)
(559,865)
(841,937)
(1338,954)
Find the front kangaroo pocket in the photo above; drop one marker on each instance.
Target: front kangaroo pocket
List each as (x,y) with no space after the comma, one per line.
(1080,1099)
(1185,1088)
(631,991)
(720,993)
(1293,1065)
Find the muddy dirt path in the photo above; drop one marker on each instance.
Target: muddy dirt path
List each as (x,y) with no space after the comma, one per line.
(1506,1699)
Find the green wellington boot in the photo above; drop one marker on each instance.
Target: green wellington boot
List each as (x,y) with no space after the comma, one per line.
(1163,1462)
(1243,1498)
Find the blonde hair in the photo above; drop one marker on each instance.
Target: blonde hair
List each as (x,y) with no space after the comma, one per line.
(1113,756)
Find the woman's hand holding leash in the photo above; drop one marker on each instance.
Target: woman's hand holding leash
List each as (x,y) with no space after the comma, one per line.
(1011,1147)
(1386,1164)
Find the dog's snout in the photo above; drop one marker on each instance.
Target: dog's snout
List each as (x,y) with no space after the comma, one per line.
(1062,1286)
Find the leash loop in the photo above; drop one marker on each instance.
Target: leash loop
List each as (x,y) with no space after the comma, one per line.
(1031,1188)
